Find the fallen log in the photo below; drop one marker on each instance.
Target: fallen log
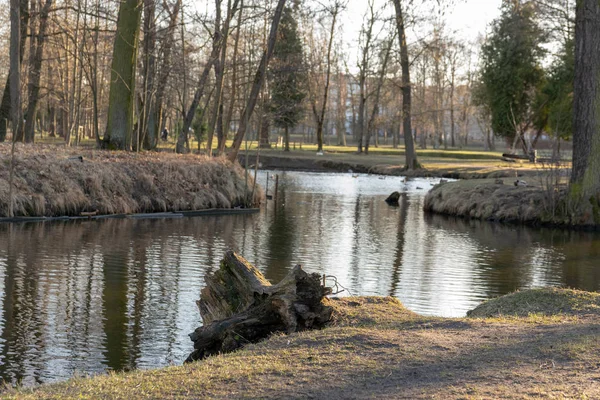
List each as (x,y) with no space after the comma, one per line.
(238,306)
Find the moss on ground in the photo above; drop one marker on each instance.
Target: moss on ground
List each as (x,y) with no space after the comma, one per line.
(376,348)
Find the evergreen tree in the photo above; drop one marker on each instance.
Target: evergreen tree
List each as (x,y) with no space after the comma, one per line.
(556,97)
(287,75)
(510,72)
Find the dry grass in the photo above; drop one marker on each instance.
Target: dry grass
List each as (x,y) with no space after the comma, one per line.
(543,301)
(49,182)
(487,200)
(378,349)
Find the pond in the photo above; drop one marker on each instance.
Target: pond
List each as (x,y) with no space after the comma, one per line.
(83,297)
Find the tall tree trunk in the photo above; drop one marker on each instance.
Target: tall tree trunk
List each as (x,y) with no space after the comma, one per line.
(219,70)
(234,80)
(411,156)
(15,68)
(5,105)
(286,138)
(155,114)
(321,119)
(586,101)
(341,110)
(452,127)
(377,97)
(189,116)
(264,126)
(259,79)
(148,138)
(121,100)
(218,114)
(35,72)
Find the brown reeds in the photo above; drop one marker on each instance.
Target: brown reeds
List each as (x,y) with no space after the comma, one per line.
(56,181)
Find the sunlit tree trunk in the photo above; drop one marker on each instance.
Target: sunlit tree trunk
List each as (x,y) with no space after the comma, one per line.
(121,101)
(411,156)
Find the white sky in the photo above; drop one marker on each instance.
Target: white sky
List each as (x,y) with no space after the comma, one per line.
(469,18)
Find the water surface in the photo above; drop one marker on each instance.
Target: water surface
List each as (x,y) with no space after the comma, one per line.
(89,296)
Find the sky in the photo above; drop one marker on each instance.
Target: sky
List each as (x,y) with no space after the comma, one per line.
(468,18)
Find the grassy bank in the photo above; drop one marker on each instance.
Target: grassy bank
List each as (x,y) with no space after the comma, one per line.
(538,203)
(58,181)
(436,163)
(378,349)
(488,200)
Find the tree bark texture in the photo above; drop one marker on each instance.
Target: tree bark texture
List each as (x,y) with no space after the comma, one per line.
(239,306)
(586,101)
(121,100)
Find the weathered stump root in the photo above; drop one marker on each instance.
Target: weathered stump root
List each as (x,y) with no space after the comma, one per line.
(239,306)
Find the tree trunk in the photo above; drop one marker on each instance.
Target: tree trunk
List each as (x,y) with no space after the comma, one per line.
(286,138)
(15,67)
(259,79)
(340,121)
(586,100)
(234,79)
(264,127)
(380,81)
(155,114)
(189,116)
(411,156)
(239,306)
(321,116)
(148,137)
(121,101)
(219,112)
(219,68)
(5,105)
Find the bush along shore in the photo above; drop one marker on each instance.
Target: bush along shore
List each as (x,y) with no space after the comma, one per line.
(52,181)
(540,343)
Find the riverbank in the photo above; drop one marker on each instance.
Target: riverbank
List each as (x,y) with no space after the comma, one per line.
(533,202)
(376,348)
(436,163)
(57,181)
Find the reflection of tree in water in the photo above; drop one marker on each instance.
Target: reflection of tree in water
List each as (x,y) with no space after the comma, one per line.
(101,294)
(114,298)
(400,240)
(513,257)
(24,307)
(280,242)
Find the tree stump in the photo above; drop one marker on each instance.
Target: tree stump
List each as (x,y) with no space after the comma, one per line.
(239,306)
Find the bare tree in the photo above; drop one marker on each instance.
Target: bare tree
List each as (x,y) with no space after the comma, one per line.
(410,153)
(259,80)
